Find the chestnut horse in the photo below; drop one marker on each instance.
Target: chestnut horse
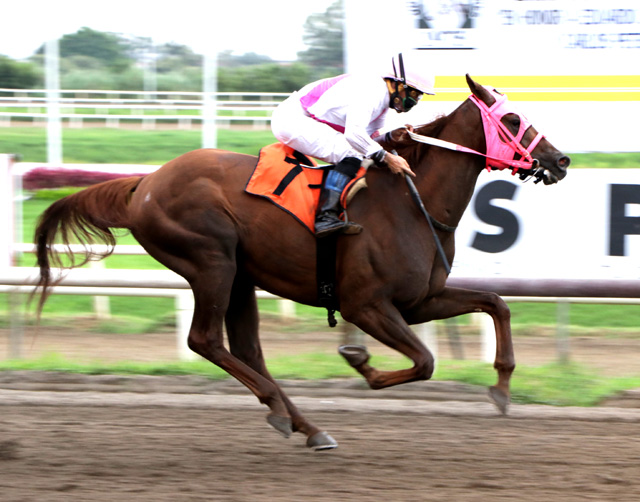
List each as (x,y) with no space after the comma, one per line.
(193,216)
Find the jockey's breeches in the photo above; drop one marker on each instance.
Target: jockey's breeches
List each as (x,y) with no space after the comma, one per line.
(292,126)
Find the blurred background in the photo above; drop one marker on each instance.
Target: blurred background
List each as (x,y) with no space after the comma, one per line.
(90,92)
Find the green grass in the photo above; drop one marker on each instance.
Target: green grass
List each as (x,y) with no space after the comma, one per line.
(605,160)
(121,146)
(552,384)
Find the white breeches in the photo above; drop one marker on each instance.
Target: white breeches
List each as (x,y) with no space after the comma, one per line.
(293,127)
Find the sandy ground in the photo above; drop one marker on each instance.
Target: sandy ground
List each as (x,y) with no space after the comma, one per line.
(113,438)
(180,439)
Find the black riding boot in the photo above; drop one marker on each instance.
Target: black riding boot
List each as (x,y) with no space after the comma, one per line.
(328,216)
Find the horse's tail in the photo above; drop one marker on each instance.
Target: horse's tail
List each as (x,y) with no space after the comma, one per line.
(86,217)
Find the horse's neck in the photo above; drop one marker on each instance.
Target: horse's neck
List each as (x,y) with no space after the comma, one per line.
(446,179)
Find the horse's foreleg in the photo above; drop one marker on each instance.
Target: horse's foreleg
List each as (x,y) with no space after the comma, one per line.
(242,322)
(454,302)
(385,324)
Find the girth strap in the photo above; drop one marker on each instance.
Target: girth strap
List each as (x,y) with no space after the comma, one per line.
(326,276)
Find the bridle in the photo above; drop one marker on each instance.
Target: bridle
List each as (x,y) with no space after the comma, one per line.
(502,146)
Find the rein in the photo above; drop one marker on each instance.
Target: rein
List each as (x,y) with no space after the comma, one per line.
(432,222)
(428,140)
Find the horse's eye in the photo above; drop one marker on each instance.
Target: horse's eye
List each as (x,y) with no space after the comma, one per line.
(516,121)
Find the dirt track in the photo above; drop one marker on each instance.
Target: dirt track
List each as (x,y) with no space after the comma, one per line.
(111,438)
(174,439)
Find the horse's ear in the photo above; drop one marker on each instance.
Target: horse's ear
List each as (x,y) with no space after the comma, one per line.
(479,91)
(471,83)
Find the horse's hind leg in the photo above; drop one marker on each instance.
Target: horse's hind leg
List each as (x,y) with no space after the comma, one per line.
(242,322)
(211,291)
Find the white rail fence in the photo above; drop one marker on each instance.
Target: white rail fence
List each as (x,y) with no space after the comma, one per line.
(182,108)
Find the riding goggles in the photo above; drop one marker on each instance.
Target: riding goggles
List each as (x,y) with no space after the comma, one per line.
(411,99)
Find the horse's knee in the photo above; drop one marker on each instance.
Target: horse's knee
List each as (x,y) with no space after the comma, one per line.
(495,305)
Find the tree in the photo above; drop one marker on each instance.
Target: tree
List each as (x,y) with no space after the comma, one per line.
(108,48)
(263,78)
(17,75)
(228,59)
(176,57)
(324,34)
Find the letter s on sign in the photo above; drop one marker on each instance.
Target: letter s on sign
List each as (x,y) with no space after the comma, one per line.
(497,216)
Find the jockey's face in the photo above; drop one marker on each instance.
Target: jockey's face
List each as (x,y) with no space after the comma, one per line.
(411,98)
(405,99)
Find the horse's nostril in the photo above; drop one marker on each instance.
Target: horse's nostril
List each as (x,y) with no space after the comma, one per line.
(563,162)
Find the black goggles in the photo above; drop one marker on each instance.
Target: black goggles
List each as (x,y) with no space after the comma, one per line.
(411,99)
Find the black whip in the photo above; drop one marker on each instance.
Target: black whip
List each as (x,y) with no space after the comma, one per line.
(415,195)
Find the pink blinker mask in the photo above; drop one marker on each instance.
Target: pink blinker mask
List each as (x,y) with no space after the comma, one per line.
(502,146)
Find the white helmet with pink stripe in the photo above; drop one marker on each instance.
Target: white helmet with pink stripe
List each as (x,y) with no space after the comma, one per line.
(410,68)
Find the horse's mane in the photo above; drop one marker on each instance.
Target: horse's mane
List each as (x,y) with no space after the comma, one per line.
(432,128)
(410,149)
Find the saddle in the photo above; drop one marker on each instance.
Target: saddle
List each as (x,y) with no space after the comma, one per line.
(292,181)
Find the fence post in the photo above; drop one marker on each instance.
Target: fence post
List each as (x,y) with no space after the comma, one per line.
(287,308)
(562,330)
(488,338)
(8,235)
(185,305)
(427,332)
(101,304)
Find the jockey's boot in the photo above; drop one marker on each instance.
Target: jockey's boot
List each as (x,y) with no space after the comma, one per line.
(328,216)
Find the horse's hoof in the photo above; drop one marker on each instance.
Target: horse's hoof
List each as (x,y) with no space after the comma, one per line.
(281,424)
(355,355)
(500,399)
(321,441)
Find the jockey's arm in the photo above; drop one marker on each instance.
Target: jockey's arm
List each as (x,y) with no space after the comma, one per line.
(361,141)
(395,163)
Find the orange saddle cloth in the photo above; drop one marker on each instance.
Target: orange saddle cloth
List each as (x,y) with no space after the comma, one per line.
(288,179)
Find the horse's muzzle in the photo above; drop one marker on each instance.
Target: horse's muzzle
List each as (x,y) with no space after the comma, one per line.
(553,173)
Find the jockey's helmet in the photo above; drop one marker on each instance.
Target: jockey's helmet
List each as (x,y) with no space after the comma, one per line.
(409,68)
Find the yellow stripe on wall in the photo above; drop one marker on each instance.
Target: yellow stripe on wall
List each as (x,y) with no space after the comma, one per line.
(545,87)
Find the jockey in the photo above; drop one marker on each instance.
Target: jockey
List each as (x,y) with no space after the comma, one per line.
(337,119)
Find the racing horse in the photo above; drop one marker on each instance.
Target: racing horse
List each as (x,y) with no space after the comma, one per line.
(193,216)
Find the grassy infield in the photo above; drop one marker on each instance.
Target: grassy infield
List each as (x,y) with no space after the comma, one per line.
(554,384)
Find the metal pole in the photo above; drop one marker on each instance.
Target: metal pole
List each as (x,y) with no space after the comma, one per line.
(16,324)
(562,330)
(150,73)
(209,89)
(54,123)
